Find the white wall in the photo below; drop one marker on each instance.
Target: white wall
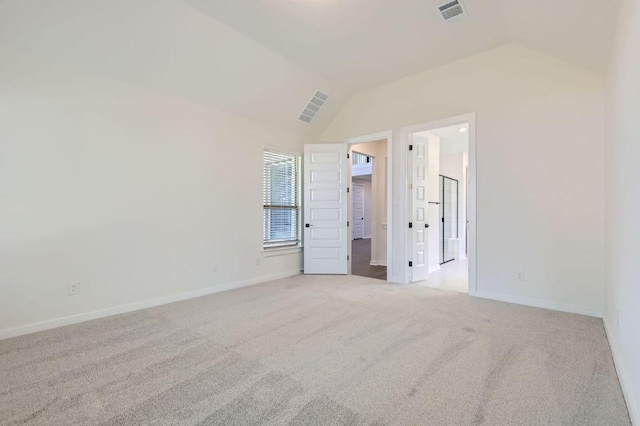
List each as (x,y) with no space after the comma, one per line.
(540,175)
(123,127)
(134,194)
(454,166)
(622,315)
(378,150)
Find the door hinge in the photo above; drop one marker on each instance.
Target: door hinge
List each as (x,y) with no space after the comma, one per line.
(410,224)
(347,155)
(410,147)
(347,224)
(410,186)
(347,189)
(410,264)
(347,257)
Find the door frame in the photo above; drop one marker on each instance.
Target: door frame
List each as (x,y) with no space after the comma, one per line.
(388,135)
(405,133)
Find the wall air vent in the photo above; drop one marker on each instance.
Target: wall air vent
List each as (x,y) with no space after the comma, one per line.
(314,105)
(452,11)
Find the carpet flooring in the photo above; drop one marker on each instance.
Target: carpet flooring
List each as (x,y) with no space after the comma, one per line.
(314,350)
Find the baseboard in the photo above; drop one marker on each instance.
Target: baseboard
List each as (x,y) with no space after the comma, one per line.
(378,263)
(632,403)
(546,304)
(121,309)
(433,269)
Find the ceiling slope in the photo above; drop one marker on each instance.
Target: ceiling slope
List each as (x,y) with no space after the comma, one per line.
(171,48)
(359,44)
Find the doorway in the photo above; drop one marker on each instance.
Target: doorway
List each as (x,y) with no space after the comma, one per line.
(368,209)
(327,206)
(438,204)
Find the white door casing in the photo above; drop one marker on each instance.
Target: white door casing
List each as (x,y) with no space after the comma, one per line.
(357,211)
(326,170)
(419,178)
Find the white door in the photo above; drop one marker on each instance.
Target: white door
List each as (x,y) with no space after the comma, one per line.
(325,208)
(419,161)
(357,211)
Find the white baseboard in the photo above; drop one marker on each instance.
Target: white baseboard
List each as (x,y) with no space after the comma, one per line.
(434,268)
(378,263)
(633,404)
(520,300)
(121,309)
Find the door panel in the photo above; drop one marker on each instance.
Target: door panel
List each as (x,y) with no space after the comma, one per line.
(357,211)
(325,208)
(418,160)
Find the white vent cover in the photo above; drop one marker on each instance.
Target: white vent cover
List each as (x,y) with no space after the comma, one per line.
(452,11)
(313,107)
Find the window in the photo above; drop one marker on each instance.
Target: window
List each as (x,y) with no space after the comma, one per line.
(360,158)
(281,199)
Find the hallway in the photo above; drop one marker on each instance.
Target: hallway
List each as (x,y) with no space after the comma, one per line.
(361,261)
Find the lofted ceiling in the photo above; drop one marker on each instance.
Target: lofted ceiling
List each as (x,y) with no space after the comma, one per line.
(264,59)
(357,44)
(166,47)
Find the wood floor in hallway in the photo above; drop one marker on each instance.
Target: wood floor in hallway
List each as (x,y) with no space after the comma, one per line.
(361,261)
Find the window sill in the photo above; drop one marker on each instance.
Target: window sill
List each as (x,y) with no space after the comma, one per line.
(281,251)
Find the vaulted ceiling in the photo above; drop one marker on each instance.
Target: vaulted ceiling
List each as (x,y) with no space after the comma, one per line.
(362,43)
(264,59)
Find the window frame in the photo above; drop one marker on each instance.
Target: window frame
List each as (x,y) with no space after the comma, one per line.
(293,247)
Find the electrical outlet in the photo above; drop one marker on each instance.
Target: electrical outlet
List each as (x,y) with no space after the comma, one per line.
(258,261)
(74,288)
(520,276)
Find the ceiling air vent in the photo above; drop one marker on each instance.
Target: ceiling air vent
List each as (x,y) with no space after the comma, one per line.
(452,11)
(313,107)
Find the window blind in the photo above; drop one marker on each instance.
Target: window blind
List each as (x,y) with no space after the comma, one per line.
(281,199)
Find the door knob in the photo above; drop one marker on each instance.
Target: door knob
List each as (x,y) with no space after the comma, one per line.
(426,225)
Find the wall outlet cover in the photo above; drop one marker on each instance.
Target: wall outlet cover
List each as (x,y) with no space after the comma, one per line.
(74,288)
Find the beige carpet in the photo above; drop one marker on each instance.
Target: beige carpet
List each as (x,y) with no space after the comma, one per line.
(317,351)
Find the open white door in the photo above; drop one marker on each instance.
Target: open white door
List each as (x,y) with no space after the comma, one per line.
(325,208)
(419,162)
(357,211)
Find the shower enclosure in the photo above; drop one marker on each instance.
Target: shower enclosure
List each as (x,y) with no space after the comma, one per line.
(448,218)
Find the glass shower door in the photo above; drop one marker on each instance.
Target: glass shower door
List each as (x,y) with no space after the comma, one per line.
(448,218)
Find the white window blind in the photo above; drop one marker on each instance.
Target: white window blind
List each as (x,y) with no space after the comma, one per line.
(281,199)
